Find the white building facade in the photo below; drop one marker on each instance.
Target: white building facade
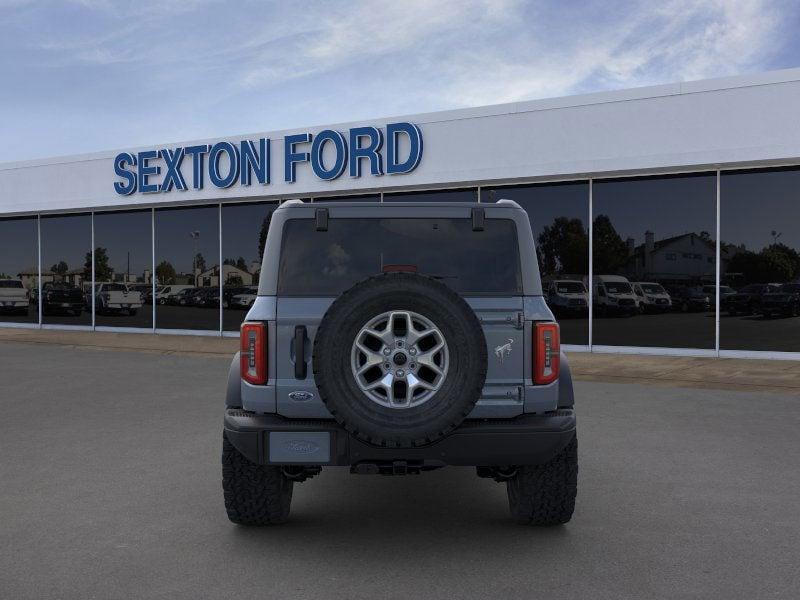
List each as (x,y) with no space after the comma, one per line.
(712,165)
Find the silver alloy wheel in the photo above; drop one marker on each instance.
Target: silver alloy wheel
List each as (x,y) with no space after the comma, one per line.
(399,359)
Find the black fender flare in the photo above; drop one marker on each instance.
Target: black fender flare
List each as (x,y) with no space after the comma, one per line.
(233,394)
(566,395)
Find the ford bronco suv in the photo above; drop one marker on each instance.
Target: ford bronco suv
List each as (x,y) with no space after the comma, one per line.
(397,338)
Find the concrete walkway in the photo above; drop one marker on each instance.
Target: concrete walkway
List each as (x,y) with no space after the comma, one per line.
(664,371)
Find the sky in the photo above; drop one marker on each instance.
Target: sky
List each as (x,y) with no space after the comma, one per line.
(90,75)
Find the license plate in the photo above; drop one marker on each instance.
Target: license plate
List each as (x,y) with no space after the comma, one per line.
(65,304)
(126,306)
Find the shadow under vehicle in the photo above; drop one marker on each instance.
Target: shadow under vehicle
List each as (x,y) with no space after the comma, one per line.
(62,298)
(651,297)
(689,299)
(747,301)
(785,301)
(567,297)
(14,298)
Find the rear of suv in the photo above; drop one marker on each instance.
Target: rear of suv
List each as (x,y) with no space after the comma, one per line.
(394,339)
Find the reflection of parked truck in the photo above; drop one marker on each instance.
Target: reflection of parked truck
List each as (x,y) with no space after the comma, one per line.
(245,299)
(651,297)
(14,298)
(167,294)
(613,294)
(61,298)
(748,299)
(112,298)
(689,299)
(785,301)
(567,297)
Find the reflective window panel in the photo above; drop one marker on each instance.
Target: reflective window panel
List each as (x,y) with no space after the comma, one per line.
(19,270)
(760,260)
(67,269)
(559,216)
(654,261)
(123,267)
(244,233)
(187,268)
(465,195)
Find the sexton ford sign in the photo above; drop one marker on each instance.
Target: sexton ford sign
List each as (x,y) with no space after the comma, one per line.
(225,164)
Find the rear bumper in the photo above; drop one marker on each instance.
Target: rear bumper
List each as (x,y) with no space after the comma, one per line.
(525,440)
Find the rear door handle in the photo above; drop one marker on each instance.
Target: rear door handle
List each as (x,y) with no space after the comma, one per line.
(300,352)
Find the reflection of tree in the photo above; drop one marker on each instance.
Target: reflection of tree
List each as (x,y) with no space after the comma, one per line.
(200,262)
(60,268)
(563,247)
(776,263)
(102,271)
(610,253)
(262,236)
(165,273)
(239,263)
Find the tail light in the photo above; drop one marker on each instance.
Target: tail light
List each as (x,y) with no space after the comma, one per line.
(253,356)
(546,353)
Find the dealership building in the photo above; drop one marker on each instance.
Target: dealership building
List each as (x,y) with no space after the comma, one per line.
(683,198)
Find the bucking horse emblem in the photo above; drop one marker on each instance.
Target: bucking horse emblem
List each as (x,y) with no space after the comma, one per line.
(501,352)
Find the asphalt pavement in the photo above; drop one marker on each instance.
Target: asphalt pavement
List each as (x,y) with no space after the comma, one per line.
(110,488)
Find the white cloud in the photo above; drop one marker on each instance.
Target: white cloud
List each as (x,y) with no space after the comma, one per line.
(199,68)
(673,41)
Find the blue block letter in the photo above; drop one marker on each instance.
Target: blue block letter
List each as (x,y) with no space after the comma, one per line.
(146,170)
(393,131)
(173,176)
(317,149)
(370,151)
(213,164)
(290,157)
(254,161)
(197,153)
(122,159)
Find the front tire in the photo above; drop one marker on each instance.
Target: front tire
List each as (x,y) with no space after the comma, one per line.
(254,494)
(545,494)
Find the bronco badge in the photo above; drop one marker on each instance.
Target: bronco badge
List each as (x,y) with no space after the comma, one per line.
(301,396)
(501,352)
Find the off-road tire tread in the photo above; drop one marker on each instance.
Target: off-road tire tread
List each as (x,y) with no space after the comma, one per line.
(254,494)
(387,441)
(545,494)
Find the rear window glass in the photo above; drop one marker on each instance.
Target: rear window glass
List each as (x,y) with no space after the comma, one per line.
(326,263)
(10,283)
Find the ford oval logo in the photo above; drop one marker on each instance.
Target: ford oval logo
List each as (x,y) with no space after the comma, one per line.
(301,446)
(301,396)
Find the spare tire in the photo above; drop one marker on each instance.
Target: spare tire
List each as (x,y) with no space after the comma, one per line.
(400,360)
